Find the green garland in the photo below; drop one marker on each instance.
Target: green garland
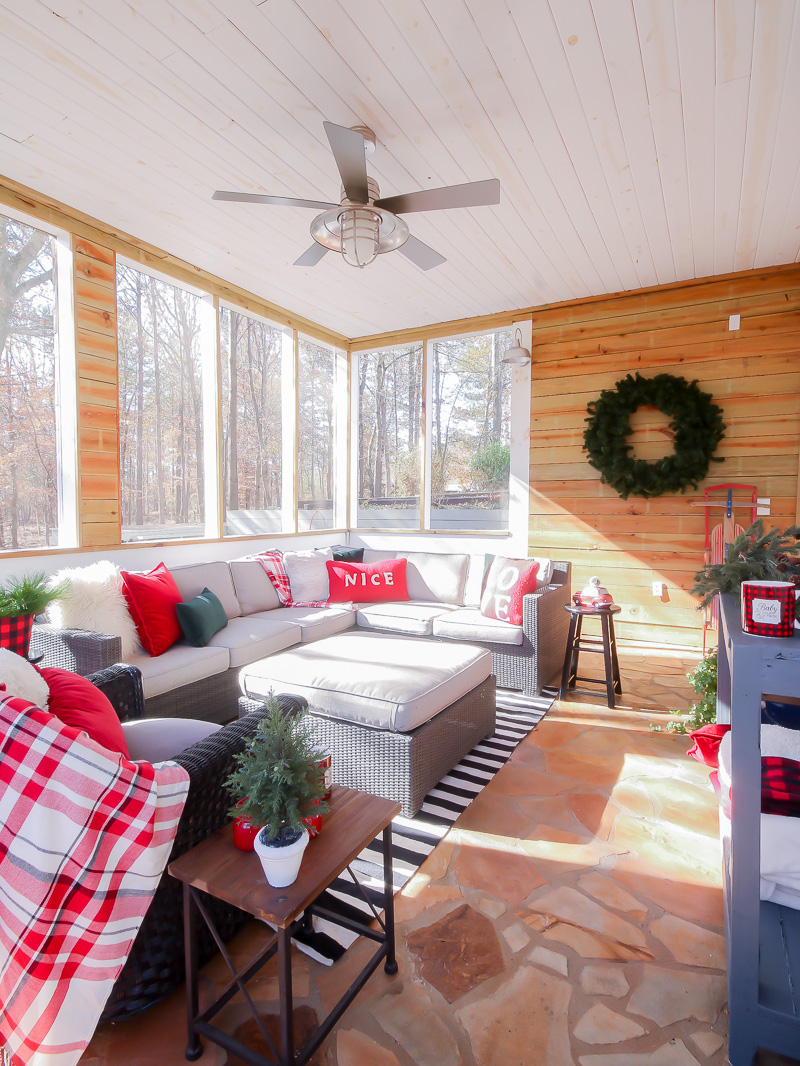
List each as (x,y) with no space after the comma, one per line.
(694,418)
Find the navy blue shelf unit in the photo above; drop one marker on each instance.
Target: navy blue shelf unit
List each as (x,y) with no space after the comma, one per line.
(762,939)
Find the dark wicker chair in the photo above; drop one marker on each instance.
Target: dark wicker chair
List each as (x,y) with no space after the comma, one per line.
(155,966)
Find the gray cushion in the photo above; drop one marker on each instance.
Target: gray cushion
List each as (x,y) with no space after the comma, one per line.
(156,739)
(179,666)
(373,679)
(194,577)
(317,622)
(251,638)
(254,590)
(413,618)
(469,624)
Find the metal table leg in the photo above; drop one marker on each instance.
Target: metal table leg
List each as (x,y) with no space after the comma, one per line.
(390,966)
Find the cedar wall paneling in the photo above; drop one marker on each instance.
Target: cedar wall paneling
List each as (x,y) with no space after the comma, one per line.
(753,374)
(98,432)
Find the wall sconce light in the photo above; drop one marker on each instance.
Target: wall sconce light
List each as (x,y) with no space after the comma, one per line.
(516,354)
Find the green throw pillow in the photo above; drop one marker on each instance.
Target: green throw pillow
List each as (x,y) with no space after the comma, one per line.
(201,618)
(343,554)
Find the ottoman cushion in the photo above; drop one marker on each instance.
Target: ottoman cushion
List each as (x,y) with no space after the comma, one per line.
(372,679)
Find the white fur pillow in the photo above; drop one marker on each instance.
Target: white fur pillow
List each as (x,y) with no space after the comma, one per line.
(94,600)
(308,574)
(21,679)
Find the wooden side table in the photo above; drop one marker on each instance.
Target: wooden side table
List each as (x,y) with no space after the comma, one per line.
(219,868)
(605,645)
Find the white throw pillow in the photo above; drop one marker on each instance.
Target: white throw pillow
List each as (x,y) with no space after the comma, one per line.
(545,572)
(308,574)
(94,600)
(21,679)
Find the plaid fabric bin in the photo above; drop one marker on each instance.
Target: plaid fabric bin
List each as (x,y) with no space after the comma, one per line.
(15,633)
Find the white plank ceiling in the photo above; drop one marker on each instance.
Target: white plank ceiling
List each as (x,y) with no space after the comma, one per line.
(637,142)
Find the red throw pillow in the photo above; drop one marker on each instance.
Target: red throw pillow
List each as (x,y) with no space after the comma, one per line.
(507,582)
(367,582)
(75,701)
(152,599)
(707,740)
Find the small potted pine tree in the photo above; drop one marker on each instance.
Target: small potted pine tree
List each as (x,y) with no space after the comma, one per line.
(21,599)
(278,782)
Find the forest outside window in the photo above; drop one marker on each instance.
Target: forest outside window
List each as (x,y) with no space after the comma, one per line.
(316,469)
(164,341)
(467,394)
(389,436)
(470,433)
(35,465)
(256,383)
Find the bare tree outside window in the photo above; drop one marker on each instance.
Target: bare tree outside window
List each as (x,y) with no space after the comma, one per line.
(315,459)
(470,432)
(28,432)
(389,435)
(251,371)
(161,413)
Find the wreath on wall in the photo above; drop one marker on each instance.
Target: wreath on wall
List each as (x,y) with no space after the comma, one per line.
(695,420)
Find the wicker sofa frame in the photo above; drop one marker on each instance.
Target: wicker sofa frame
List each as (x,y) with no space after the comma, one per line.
(402,766)
(155,967)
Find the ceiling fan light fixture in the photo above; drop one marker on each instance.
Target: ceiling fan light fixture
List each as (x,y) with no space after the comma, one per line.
(516,355)
(360,232)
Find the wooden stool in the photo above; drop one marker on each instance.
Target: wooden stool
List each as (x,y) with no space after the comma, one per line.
(607,645)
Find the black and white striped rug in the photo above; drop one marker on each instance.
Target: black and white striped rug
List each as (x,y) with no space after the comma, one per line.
(415,838)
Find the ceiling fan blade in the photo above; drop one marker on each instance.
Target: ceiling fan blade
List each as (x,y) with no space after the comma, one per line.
(311,256)
(421,254)
(260,198)
(348,151)
(473,194)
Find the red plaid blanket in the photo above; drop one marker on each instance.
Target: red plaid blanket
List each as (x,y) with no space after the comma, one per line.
(84,838)
(780,786)
(272,562)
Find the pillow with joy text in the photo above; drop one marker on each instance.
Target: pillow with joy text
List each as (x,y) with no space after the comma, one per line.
(367,582)
(507,582)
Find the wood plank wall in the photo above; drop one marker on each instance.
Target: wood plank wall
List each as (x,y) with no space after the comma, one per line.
(754,375)
(98,423)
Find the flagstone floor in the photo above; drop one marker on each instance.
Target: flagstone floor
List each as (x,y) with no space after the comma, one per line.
(571,917)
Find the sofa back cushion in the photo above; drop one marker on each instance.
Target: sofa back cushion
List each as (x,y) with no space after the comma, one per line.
(254,590)
(192,578)
(430,576)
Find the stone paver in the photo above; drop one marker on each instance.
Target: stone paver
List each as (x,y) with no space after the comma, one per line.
(600,1025)
(572,916)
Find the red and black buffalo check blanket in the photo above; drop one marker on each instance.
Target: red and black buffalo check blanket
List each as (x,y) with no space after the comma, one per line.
(84,838)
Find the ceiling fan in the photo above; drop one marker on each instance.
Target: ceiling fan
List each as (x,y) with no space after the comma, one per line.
(364,224)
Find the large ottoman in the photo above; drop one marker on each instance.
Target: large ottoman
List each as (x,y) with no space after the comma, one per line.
(396,713)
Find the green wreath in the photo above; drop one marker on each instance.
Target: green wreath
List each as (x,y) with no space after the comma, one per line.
(695,420)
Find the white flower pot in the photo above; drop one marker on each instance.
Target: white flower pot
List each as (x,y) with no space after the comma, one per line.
(281,864)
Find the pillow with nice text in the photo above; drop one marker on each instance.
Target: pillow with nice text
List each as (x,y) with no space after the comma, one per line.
(367,582)
(507,581)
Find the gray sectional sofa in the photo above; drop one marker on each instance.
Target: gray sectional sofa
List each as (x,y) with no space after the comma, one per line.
(444,591)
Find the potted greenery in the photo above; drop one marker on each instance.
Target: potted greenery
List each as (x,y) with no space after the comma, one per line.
(277,783)
(752,556)
(21,599)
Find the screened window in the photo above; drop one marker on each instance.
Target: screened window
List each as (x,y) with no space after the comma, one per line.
(470,432)
(315,435)
(253,357)
(28,357)
(389,435)
(161,343)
